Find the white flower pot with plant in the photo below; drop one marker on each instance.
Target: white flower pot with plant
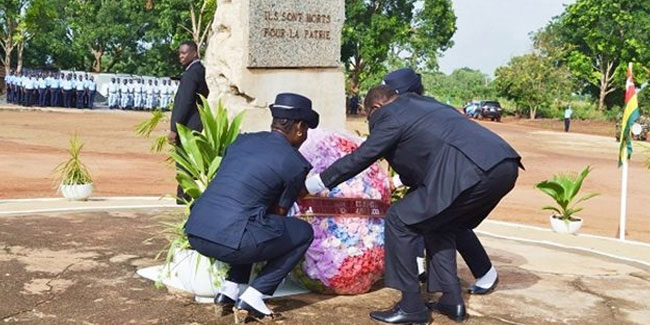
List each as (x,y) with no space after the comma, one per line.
(199,158)
(564,188)
(75,182)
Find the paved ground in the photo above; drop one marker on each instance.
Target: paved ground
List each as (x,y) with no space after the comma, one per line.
(79,267)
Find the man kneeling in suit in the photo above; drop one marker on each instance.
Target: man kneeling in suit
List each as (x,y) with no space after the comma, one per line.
(455,182)
(241,217)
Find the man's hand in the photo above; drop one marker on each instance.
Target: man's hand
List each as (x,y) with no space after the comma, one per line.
(314,185)
(171,137)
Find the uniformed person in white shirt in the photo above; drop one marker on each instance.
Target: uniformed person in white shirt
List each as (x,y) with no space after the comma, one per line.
(92,90)
(30,87)
(66,85)
(80,87)
(124,94)
(42,90)
(137,95)
(20,79)
(164,96)
(111,93)
(8,86)
(156,94)
(149,91)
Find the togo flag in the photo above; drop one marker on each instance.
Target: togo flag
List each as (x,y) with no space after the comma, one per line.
(630,115)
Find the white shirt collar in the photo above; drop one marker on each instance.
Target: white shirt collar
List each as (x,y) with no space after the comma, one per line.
(191,63)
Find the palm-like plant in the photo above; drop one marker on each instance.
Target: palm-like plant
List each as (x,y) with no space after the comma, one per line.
(564,188)
(145,128)
(197,159)
(199,155)
(73,171)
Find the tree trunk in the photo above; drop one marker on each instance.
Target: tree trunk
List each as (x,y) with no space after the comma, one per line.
(7,60)
(97,54)
(532,112)
(605,84)
(19,58)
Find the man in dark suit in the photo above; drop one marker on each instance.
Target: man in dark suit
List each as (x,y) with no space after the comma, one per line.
(470,248)
(185,111)
(240,219)
(455,182)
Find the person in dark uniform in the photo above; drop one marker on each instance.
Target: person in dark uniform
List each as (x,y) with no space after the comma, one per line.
(455,182)
(240,219)
(468,245)
(192,85)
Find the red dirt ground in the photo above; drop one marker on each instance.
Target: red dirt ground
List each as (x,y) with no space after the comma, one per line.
(35,142)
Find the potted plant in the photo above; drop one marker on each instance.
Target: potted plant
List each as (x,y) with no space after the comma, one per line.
(564,188)
(74,182)
(199,157)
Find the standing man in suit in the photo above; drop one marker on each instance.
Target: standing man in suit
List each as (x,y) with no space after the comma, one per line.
(192,85)
(455,183)
(468,245)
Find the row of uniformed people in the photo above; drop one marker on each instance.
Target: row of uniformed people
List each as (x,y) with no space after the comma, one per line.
(140,95)
(51,89)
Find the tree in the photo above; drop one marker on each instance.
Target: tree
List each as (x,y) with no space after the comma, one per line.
(532,81)
(461,86)
(10,15)
(106,29)
(602,36)
(375,29)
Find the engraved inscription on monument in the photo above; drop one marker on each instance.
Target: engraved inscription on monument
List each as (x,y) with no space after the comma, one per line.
(295,33)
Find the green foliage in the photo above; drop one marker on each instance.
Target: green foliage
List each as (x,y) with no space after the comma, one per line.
(460,87)
(146,127)
(200,153)
(533,83)
(73,171)
(376,30)
(563,189)
(125,36)
(198,158)
(599,38)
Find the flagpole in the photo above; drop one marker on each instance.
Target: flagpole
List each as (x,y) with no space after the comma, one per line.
(621,229)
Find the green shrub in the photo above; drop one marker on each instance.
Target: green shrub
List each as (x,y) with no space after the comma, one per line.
(73,171)
(563,189)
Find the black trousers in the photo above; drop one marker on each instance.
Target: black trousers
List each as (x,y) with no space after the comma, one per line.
(281,254)
(567,124)
(470,249)
(80,98)
(67,98)
(441,233)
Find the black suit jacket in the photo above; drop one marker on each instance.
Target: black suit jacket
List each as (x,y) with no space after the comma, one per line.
(187,97)
(436,150)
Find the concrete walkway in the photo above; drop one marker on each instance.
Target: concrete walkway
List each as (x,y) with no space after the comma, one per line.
(46,205)
(75,262)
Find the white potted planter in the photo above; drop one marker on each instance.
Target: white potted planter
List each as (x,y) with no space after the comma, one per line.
(196,274)
(76,192)
(562,227)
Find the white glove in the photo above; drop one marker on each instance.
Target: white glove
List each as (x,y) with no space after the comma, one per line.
(314,185)
(397,182)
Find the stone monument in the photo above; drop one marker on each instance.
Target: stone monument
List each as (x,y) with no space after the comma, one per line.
(260,48)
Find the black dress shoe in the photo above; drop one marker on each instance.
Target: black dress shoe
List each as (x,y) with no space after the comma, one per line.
(223,305)
(397,316)
(476,290)
(454,312)
(243,311)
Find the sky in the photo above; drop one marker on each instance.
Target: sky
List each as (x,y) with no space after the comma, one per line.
(490,32)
